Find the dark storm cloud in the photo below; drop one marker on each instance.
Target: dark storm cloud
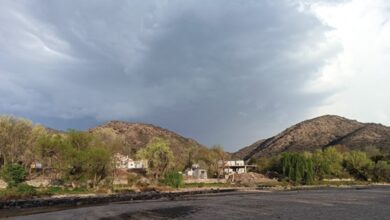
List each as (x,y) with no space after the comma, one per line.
(225,72)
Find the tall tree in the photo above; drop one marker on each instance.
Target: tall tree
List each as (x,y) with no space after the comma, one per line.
(298,167)
(219,159)
(54,152)
(158,155)
(17,139)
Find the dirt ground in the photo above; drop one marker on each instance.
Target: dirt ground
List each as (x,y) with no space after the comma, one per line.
(366,203)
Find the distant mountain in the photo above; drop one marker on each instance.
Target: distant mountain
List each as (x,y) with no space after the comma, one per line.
(138,135)
(319,133)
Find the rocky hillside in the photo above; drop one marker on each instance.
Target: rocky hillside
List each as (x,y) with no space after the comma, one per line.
(138,135)
(319,133)
(243,152)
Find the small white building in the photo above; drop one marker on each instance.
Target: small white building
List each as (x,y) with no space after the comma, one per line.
(125,162)
(196,172)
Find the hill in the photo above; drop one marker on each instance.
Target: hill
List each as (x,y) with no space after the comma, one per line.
(138,135)
(319,133)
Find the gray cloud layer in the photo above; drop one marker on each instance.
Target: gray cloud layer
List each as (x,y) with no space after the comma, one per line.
(225,72)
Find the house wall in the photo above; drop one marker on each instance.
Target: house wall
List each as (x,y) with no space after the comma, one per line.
(124,162)
(200,173)
(235,163)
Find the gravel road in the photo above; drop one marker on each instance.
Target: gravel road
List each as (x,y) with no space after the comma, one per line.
(367,203)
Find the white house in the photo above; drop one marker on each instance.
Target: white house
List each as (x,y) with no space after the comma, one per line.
(233,166)
(125,162)
(196,172)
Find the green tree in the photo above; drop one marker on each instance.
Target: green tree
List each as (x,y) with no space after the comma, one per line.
(321,166)
(29,155)
(159,157)
(381,171)
(13,174)
(358,164)
(76,156)
(267,164)
(79,140)
(297,167)
(96,165)
(327,163)
(335,161)
(54,152)
(218,158)
(206,159)
(108,139)
(88,158)
(14,137)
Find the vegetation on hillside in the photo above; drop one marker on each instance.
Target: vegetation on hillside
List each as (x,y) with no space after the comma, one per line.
(136,136)
(85,159)
(320,133)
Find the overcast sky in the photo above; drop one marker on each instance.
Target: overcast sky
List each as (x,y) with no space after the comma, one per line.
(224,72)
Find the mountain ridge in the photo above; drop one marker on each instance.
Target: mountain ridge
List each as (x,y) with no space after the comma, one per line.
(318,133)
(138,135)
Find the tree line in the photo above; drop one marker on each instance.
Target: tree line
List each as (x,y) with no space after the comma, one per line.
(86,159)
(331,162)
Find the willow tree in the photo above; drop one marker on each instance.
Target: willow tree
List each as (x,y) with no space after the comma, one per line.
(298,167)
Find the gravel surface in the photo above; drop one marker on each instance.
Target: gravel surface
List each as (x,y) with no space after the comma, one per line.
(366,203)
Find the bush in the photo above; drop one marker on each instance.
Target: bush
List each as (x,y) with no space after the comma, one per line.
(13,174)
(22,191)
(132,179)
(173,179)
(382,171)
(265,165)
(26,190)
(328,163)
(54,190)
(359,165)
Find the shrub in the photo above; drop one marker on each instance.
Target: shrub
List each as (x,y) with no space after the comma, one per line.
(22,191)
(327,163)
(359,165)
(26,190)
(13,174)
(54,190)
(382,171)
(268,164)
(132,179)
(173,179)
